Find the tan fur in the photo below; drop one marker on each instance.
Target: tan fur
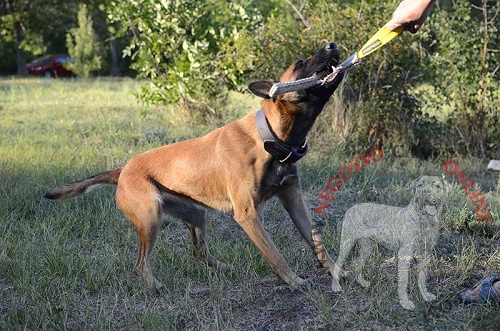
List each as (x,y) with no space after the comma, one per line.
(228,170)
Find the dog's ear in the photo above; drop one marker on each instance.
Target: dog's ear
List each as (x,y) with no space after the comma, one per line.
(261,88)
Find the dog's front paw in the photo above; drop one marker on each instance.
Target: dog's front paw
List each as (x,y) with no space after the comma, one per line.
(297,282)
(407,304)
(336,286)
(302,284)
(222,266)
(363,282)
(428,296)
(309,285)
(158,286)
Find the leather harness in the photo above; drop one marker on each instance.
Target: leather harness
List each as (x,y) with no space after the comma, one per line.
(280,150)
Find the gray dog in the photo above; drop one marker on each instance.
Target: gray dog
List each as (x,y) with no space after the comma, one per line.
(412,231)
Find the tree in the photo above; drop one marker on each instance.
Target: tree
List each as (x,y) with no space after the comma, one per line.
(34,26)
(191,50)
(83,45)
(106,32)
(14,14)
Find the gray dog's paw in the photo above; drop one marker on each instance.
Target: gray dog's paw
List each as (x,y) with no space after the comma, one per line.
(308,284)
(428,296)
(336,286)
(407,304)
(363,282)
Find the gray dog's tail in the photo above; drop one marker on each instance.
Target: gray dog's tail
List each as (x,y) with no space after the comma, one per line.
(83,186)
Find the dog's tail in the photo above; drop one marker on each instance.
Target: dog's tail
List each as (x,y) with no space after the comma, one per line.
(83,186)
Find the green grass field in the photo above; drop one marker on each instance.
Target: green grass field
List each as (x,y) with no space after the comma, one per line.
(69,264)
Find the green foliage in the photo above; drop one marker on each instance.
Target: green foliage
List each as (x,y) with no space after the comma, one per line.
(430,94)
(83,46)
(32,41)
(378,90)
(191,50)
(433,93)
(465,65)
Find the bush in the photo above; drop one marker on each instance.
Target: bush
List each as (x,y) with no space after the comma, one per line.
(376,93)
(191,50)
(433,93)
(464,60)
(83,46)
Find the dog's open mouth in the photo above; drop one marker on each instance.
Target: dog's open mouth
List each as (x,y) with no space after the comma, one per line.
(328,69)
(311,74)
(324,62)
(430,210)
(431,207)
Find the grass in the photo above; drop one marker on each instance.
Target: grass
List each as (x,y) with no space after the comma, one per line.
(69,265)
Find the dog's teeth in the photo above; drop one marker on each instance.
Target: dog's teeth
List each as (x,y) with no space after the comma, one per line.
(330,76)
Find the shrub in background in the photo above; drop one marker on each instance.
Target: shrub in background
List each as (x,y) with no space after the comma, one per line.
(428,94)
(465,59)
(191,50)
(83,46)
(379,110)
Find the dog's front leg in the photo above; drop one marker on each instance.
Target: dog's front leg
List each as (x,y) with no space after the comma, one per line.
(405,255)
(248,218)
(422,278)
(293,201)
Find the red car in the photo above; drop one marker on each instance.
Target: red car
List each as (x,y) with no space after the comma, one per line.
(51,66)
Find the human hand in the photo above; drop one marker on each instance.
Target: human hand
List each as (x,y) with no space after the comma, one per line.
(411,14)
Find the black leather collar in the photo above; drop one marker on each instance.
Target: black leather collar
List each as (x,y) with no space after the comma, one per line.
(281,151)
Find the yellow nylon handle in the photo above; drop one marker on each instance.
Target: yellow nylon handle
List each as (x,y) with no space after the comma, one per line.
(379,39)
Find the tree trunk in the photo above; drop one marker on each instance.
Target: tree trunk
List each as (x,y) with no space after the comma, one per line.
(20,55)
(114,57)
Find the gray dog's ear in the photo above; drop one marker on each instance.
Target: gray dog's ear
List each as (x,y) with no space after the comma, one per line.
(415,187)
(261,88)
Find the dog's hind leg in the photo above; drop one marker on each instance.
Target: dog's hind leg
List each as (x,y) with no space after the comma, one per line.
(197,226)
(192,213)
(365,250)
(140,205)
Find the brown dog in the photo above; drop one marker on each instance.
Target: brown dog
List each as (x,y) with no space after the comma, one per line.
(234,168)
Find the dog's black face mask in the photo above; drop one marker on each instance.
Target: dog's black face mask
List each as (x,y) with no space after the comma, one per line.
(319,65)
